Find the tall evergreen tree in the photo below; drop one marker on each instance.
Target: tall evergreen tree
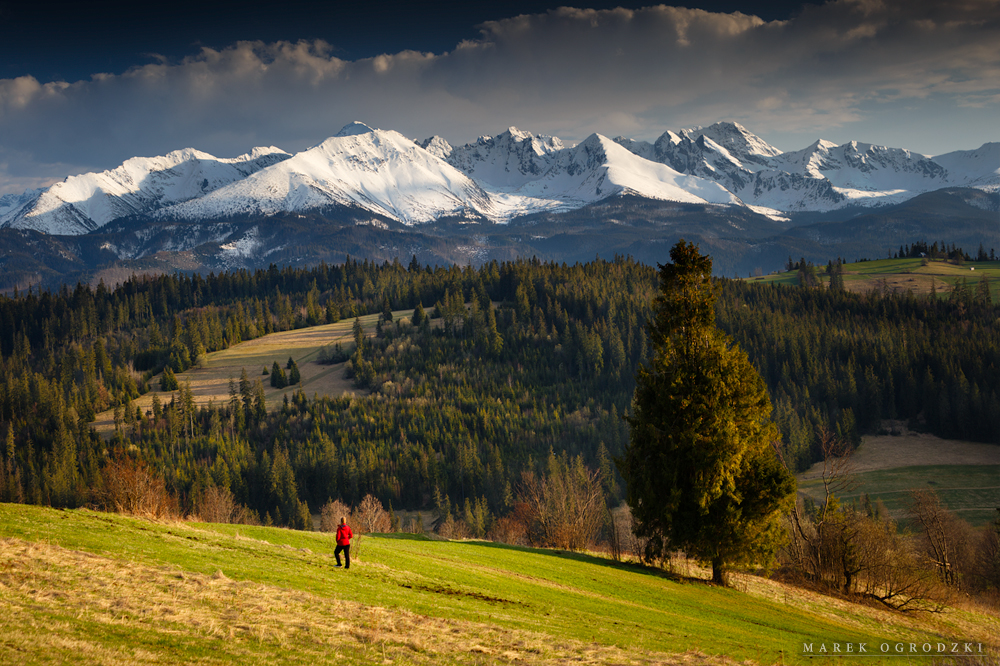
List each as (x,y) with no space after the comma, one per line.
(278,379)
(701,472)
(419,315)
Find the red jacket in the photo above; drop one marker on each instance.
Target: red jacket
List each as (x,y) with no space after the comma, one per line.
(344,535)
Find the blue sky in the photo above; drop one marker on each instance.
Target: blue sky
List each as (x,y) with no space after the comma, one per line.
(85,86)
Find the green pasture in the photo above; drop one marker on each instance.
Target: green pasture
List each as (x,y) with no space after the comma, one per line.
(902,275)
(406,599)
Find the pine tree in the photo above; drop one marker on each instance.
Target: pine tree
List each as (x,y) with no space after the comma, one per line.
(359,334)
(701,472)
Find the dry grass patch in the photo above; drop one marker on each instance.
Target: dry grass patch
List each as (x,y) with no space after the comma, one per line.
(61,606)
(974,624)
(911,449)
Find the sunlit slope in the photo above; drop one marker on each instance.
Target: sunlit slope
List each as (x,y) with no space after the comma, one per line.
(98,588)
(210,384)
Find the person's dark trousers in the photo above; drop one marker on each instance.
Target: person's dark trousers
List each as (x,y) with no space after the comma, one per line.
(347,555)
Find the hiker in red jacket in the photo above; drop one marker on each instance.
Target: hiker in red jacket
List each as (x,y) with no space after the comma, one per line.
(344,536)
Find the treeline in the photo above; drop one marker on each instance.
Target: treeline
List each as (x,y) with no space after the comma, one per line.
(943,251)
(500,366)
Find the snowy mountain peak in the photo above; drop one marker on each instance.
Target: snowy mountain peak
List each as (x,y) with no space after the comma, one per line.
(257,153)
(508,160)
(141,185)
(437,147)
(353,129)
(737,140)
(378,170)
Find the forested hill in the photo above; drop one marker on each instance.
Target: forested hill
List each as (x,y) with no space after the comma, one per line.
(529,358)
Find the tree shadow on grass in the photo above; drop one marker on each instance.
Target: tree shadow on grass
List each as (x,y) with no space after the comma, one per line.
(635,567)
(402,536)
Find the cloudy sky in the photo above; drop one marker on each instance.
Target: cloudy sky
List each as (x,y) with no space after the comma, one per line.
(84,86)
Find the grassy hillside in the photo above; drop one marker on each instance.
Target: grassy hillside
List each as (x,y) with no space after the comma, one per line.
(904,274)
(88,588)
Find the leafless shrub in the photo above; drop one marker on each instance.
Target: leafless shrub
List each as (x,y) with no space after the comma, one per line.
(217,505)
(130,487)
(450,528)
(622,540)
(897,580)
(510,529)
(987,562)
(331,513)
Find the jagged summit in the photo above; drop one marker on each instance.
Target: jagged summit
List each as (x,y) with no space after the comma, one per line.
(736,139)
(437,147)
(497,178)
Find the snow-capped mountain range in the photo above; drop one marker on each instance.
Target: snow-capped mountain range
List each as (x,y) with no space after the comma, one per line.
(497,178)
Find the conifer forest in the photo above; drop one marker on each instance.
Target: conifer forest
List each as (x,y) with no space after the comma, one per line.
(503,371)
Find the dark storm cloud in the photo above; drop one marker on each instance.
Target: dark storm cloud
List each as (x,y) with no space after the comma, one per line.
(567,72)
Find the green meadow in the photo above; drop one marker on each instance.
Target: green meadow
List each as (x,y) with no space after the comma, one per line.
(92,588)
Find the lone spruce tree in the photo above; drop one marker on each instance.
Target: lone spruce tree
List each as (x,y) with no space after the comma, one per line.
(701,471)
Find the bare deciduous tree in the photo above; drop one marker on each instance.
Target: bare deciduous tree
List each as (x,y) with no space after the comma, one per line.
(371,516)
(809,545)
(217,505)
(565,507)
(331,513)
(621,536)
(948,542)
